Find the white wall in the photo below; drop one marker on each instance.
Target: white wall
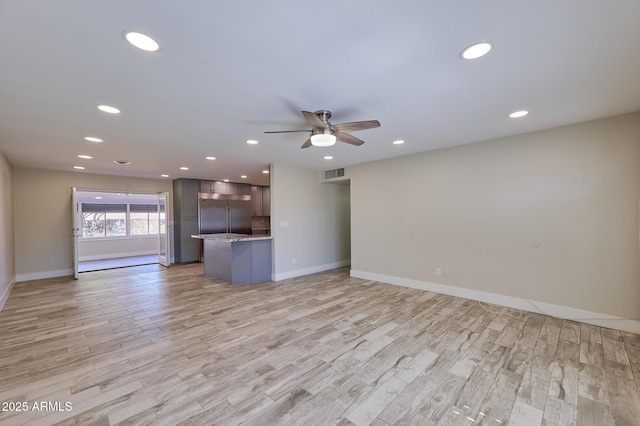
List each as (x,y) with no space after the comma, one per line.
(551,216)
(7,260)
(110,248)
(43,235)
(318,231)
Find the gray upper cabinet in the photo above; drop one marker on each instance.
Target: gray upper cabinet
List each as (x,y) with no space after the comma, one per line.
(261,201)
(185,197)
(256,201)
(229,188)
(220,187)
(206,186)
(244,189)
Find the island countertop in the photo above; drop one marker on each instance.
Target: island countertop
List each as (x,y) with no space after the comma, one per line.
(231,238)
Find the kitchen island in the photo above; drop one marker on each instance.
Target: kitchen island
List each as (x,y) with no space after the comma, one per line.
(237,258)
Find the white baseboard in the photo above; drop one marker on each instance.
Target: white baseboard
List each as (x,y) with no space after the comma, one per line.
(312,270)
(45,274)
(116,255)
(5,294)
(564,312)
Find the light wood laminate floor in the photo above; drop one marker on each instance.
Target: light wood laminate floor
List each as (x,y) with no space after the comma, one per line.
(149,345)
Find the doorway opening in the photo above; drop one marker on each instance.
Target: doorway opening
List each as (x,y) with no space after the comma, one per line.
(118,229)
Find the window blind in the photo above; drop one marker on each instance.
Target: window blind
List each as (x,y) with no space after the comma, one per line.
(100,208)
(138,208)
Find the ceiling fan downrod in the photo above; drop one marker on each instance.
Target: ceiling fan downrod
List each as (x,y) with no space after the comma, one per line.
(324,115)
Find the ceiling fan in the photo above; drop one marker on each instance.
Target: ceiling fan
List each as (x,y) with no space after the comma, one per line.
(323,133)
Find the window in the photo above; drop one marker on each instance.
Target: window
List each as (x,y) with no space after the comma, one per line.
(116,220)
(93,224)
(143,219)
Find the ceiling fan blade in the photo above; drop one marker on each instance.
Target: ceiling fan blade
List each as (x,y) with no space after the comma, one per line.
(313,119)
(288,131)
(345,137)
(307,143)
(355,125)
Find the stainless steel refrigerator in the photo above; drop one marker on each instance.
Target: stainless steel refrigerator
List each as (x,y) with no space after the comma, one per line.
(222,213)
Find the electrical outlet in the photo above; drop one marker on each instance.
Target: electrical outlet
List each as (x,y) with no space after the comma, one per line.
(438,271)
(294,260)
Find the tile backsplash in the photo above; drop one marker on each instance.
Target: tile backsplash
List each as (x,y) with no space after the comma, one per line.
(260,224)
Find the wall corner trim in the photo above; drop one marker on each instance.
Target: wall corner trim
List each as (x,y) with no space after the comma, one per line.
(563,312)
(7,292)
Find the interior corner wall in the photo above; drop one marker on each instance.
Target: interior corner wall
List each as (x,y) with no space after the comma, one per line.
(42,212)
(310,223)
(549,217)
(7,241)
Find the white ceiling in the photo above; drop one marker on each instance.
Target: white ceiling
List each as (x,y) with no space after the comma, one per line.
(228,71)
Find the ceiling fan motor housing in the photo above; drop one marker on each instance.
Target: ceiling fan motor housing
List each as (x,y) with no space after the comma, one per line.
(323,115)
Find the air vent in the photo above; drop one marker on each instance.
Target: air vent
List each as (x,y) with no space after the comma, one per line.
(330,174)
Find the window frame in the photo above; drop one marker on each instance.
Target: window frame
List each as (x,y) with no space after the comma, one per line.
(127,224)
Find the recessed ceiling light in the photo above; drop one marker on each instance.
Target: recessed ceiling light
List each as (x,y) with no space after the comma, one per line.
(92,139)
(122,162)
(211,158)
(398,142)
(141,41)
(108,109)
(164,175)
(243,176)
(98,198)
(226,180)
(88,157)
(518,114)
(78,167)
(476,50)
(266,172)
(252,142)
(328,157)
(184,168)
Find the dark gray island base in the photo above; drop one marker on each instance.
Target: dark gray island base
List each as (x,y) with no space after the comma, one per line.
(237,258)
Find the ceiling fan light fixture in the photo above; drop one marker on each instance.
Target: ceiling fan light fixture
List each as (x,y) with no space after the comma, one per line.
(324,139)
